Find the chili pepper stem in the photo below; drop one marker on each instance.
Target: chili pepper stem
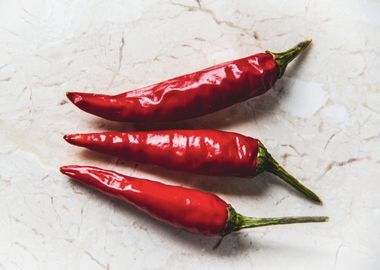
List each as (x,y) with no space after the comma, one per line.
(284,58)
(237,222)
(267,163)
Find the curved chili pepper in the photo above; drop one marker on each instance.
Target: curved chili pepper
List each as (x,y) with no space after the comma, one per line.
(194,94)
(209,152)
(190,209)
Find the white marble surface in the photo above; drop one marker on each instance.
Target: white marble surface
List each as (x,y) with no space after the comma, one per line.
(322,121)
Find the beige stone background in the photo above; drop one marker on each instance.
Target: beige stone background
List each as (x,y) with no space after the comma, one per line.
(322,121)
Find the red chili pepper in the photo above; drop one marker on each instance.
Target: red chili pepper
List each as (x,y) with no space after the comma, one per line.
(190,209)
(209,152)
(194,94)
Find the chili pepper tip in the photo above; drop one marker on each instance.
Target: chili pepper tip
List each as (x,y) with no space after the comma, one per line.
(66,137)
(67,170)
(74,97)
(71,138)
(75,171)
(77,139)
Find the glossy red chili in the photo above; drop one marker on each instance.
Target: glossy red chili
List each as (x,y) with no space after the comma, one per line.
(193,210)
(209,152)
(194,94)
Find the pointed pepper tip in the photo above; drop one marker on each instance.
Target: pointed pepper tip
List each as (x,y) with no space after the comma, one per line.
(74,97)
(74,139)
(68,138)
(66,169)
(71,170)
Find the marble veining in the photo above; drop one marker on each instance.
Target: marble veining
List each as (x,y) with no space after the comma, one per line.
(321,121)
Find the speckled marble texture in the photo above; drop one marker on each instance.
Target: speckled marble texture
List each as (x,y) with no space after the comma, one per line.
(322,121)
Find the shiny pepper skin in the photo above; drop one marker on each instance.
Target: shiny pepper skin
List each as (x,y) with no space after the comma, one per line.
(189,209)
(209,152)
(186,96)
(194,94)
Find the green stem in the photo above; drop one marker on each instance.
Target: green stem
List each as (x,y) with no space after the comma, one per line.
(267,163)
(284,58)
(237,222)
